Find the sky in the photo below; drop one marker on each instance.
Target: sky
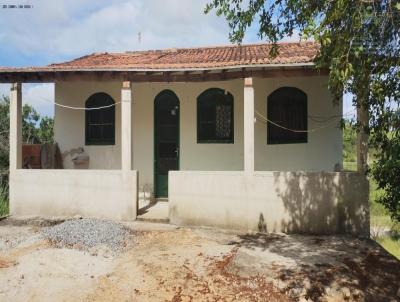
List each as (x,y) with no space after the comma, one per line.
(57,31)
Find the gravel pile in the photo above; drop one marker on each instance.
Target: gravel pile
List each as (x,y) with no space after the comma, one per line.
(88,233)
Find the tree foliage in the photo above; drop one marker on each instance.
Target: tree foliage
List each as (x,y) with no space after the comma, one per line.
(359,44)
(4,140)
(349,142)
(35,130)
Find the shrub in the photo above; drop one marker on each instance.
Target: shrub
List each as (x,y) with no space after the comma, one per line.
(3,201)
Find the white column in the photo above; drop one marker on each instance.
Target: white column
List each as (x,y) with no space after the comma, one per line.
(126,127)
(248,126)
(362,140)
(15,127)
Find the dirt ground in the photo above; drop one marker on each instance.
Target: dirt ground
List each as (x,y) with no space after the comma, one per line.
(164,263)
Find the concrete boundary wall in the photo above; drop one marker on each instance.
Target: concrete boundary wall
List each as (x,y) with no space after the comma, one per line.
(292,202)
(90,193)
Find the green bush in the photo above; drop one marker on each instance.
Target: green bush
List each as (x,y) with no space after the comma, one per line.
(349,144)
(3,201)
(395,230)
(35,129)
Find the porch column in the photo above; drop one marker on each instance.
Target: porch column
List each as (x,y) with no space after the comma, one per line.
(126,127)
(248,125)
(362,139)
(15,127)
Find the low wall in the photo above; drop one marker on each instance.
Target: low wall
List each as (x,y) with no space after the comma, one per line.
(291,202)
(97,193)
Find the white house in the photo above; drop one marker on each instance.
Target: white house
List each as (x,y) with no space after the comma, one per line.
(229,136)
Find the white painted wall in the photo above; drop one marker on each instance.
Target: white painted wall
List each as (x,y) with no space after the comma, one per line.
(321,153)
(300,202)
(193,156)
(69,125)
(108,194)
(324,147)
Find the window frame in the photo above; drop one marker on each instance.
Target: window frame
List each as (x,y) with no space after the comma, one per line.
(208,93)
(288,139)
(102,141)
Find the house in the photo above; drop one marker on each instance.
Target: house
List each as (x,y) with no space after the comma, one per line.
(229,136)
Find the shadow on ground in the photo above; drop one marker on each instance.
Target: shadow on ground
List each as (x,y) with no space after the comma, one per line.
(322,266)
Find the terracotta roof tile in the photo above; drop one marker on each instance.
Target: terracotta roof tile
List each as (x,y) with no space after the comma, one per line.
(192,58)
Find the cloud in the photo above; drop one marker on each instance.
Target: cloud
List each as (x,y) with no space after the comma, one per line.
(40,96)
(55,31)
(295,37)
(64,29)
(68,28)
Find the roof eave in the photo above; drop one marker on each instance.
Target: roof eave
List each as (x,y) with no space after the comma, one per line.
(192,69)
(161,75)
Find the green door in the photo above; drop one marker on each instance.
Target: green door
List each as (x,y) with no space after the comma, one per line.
(166,142)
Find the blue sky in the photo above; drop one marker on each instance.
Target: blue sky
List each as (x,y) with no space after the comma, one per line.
(56,31)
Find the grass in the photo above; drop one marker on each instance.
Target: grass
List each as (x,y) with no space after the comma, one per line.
(350,165)
(379,218)
(390,244)
(3,202)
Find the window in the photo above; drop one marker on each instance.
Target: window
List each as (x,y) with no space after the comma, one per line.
(100,123)
(287,107)
(215,117)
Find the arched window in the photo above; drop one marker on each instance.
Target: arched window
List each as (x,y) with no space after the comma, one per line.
(215,117)
(287,107)
(100,123)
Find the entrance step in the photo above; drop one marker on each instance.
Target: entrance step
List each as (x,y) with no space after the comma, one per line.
(162,199)
(154,220)
(157,211)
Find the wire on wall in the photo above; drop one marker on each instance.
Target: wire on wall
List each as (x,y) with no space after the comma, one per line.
(266,121)
(318,119)
(78,108)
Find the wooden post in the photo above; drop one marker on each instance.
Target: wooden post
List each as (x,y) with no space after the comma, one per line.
(15,127)
(126,127)
(248,126)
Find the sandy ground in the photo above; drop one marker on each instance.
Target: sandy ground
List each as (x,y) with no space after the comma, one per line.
(165,263)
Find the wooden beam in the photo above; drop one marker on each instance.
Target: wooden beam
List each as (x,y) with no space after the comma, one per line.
(138,76)
(204,73)
(167,76)
(223,74)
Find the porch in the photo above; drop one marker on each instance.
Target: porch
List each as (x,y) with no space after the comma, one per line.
(303,201)
(242,172)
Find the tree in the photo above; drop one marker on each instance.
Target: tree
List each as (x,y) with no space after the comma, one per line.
(359,42)
(35,130)
(349,142)
(29,125)
(46,130)
(4,140)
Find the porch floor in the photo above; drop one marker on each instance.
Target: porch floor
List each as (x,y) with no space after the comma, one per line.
(157,211)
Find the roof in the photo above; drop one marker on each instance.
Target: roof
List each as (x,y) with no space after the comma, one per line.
(202,58)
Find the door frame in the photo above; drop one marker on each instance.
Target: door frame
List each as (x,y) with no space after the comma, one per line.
(171,94)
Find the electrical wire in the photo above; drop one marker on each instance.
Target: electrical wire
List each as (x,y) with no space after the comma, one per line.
(263,118)
(266,121)
(321,119)
(79,108)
